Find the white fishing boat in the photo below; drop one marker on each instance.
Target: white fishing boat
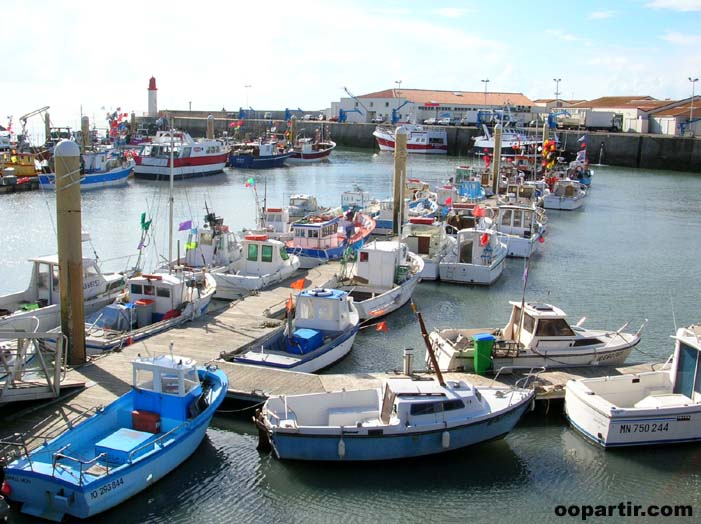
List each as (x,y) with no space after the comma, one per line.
(522,227)
(322,332)
(420,139)
(124,447)
(382,278)
(566,194)
(477,257)
(37,308)
(429,240)
(655,407)
(177,150)
(99,169)
(536,336)
(265,262)
(406,417)
(514,142)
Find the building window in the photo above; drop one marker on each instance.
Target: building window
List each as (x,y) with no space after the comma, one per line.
(372,104)
(386,104)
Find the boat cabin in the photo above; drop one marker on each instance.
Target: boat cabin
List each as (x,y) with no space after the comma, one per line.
(424,236)
(381,264)
(355,200)
(301,205)
(419,402)
(316,232)
(212,245)
(686,367)
(160,294)
(276,220)
(323,310)
(517,220)
(477,246)
(165,385)
(542,326)
(262,255)
(567,188)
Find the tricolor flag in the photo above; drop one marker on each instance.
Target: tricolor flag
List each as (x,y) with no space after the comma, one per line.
(184,226)
(251,182)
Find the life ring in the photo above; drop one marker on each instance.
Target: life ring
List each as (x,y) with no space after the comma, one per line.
(320,292)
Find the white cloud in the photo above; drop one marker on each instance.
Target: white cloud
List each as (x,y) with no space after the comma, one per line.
(681,38)
(600,15)
(676,5)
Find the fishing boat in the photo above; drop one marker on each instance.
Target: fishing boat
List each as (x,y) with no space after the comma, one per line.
(424,140)
(124,447)
(189,158)
(265,262)
(579,169)
(655,407)
(321,333)
(405,417)
(319,238)
(38,306)
(429,240)
(477,257)
(565,194)
(258,155)
(522,227)
(536,336)
(514,142)
(423,207)
(382,277)
(99,169)
(308,150)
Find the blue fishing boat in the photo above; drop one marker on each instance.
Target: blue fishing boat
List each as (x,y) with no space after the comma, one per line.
(322,237)
(322,332)
(123,448)
(408,417)
(257,155)
(100,169)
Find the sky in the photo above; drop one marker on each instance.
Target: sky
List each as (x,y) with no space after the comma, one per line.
(73,54)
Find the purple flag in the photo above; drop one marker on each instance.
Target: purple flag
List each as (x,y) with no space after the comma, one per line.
(184,226)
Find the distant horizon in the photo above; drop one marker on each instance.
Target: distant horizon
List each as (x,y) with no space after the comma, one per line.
(277,55)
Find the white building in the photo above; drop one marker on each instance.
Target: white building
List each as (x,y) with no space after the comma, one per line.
(635,109)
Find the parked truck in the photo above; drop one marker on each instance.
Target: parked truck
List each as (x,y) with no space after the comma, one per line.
(592,120)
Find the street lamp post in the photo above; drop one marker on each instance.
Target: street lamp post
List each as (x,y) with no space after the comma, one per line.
(486,81)
(557,91)
(399,93)
(246,87)
(691,109)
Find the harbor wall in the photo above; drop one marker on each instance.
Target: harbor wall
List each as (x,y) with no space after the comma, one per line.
(617,149)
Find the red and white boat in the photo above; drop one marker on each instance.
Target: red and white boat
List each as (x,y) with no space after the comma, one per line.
(420,139)
(190,158)
(307,150)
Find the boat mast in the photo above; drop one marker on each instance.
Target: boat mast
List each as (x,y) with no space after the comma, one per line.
(170,207)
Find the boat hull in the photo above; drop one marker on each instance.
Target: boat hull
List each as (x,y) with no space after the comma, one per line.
(299,445)
(232,286)
(114,178)
(632,427)
(161,173)
(260,162)
(562,203)
(387,302)
(471,273)
(299,157)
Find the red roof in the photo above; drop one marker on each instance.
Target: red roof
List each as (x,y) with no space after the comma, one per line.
(425,96)
(645,103)
(684,109)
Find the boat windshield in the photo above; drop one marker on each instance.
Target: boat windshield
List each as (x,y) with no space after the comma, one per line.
(109,317)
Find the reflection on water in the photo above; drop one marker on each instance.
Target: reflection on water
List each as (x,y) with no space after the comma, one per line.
(631,253)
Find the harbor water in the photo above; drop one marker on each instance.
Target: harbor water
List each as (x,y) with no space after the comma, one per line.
(631,253)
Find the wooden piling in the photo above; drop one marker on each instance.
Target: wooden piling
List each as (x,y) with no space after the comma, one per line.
(210,127)
(70,251)
(496,160)
(85,133)
(400,154)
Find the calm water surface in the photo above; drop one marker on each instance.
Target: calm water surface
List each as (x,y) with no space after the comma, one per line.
(631,253)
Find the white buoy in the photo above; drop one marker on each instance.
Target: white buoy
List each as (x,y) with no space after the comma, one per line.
(445,439)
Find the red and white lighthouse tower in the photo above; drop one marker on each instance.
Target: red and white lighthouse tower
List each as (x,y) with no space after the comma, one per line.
(152,98)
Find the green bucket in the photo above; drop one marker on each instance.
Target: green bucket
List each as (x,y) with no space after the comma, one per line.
(484,343)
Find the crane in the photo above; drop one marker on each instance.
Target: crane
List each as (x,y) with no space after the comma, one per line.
(23,119)
(289,113)
(395,112)
(343,113)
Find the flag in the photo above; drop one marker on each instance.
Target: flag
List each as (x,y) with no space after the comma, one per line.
(448,201)
(184,226)
(290,304)
(251,182)
(382,326)
(298,284)
(190,245)
(145,224)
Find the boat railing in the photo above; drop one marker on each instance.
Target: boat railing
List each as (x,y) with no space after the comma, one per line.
(60,455)
(159,440)
(21,445)
(521,383)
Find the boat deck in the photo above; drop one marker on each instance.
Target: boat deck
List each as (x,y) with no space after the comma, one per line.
(226,326)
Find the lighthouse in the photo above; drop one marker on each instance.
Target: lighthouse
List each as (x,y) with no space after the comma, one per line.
(152,98)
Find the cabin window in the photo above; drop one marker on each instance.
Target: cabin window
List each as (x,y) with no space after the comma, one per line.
(205,238)
(506,219)
(313,233)
(687,370)
(451,405)
(426,408)
(163,292)
(364,256)
(149,290)
(267,253)
(553,327)
(305,309)
(137,289)
(191,380)
(325,310)
(528,323)
(90,271)
(54,279)
(43,276)
(283,253)
(186,152)
(528,218)
(252,252)
(144,379)
(517,219)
